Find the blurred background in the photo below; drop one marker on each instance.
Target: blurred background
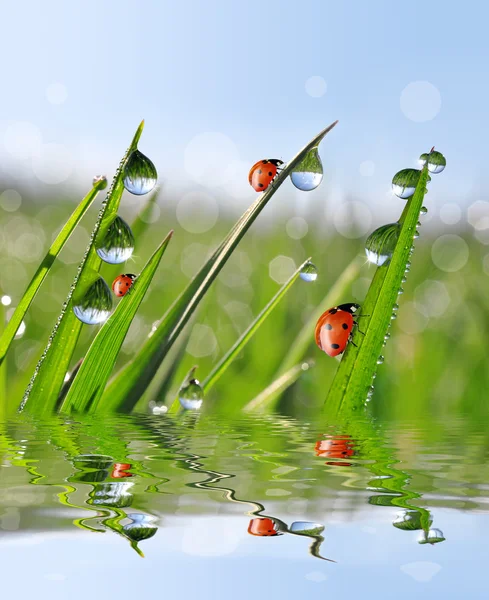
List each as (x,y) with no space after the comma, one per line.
(216,98)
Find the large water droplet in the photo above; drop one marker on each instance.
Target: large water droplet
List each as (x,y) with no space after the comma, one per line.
(433,536)
(436,161)
(100,182)
(139,174)
(404,182)
(191,395)
(380,360)
(381,243)
(306,528)
(308,174)
(93,305)
(309,272)
(141,527)
(117,243)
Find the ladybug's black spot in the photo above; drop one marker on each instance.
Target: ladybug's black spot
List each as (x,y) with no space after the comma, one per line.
(328,326)
(260,171)
(127,285)
(345,326)
(270,174)
(335,346)
(260,185)
(333,311)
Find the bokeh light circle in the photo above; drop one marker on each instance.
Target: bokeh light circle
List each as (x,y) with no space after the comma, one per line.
(450,213)
(10,200)
(281,268)
(420,101)
(449,253)
(297,228)
(197,212)
(210,158)
(352,219)
(316,86)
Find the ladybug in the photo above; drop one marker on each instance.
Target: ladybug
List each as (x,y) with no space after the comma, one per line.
(263,172)
(334,327)
(263,527)
(120,470)
(122,284)
(337,446)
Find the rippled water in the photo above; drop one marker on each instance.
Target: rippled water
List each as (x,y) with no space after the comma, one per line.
(217,507)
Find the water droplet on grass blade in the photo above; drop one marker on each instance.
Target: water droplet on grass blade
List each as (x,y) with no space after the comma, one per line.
(139,174)
(433,536)
(191,395)
(416,235)
(380,360)
(141,527)
(381,243)
(308,174)
(423,210)
(404,182)
(100,182)
(309,272)
(307,528)
(117,244)
(93,306)
(387,336)
(436,161)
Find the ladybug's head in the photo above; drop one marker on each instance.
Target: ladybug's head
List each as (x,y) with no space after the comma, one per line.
(350,307)
(275,161)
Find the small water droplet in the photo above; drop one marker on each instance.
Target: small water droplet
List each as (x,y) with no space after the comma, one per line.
(380,360)
(117,243)
(400,291)
(380,244)
(404,182)
(416,235)
(100,182)
(191,395)
(418,224)
(308,174)
(395,307)
(423,210)
(436,161)
(408,265)
(393,316)
(93,306)
(403,280)
(309,272)
(139,174)
(387,336)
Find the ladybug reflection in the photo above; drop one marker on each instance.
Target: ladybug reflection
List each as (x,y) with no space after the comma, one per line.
(119,470)
(263,526)
(336,446)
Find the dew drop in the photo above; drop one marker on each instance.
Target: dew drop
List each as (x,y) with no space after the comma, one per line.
(436,161)
(400,291)
(395,307)
(191,395)
(100,182)
(387,337)
(393,316)
(117,243)
(141,528)
(418,224)
(403,280)
(307,528)
(308,174)
(139,174)
(433,536)
(93,306)
(380,244)
(423,210)
(416,235)
(404,182)
(309,272)
(380,360)
(408,265)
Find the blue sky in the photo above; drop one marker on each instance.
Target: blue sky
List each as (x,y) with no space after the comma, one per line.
(240,69)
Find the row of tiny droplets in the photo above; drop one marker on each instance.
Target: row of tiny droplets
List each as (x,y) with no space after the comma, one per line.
(380,360)
(75,280)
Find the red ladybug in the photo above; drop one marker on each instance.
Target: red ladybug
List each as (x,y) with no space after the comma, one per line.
(263,172)
(119,470)
(262,527)
(122,284)
(334,327)
(337,446)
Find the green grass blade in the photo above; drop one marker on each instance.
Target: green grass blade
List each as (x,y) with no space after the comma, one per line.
(305,337)
(132,381)
(270,395)
(39,276)
(228,358)
(48,377)
(359,364)
(87,388)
